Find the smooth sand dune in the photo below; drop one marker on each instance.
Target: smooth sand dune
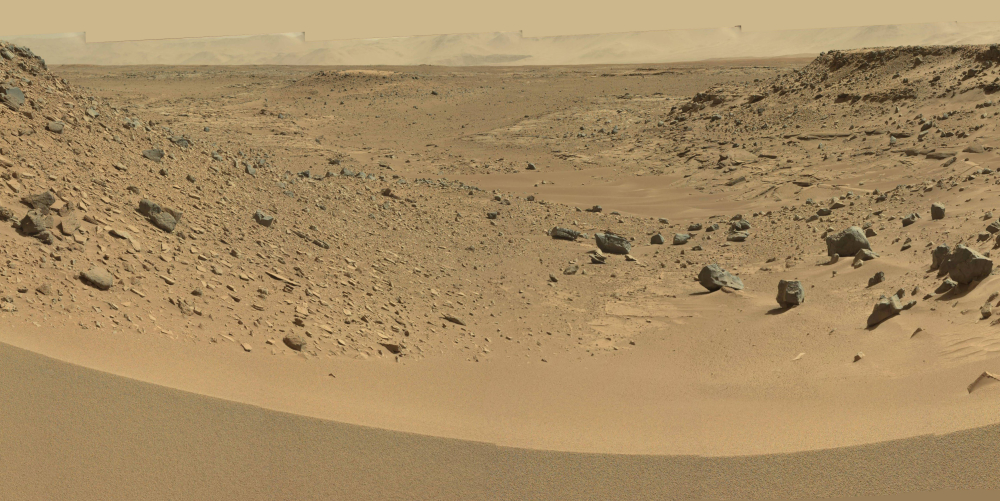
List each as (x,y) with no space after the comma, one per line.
(75,433)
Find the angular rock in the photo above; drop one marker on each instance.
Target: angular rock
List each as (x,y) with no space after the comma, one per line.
(263,219)
(910,219)
(148,208)
(613,244)
(681,238)
(938,256)
(790,293)
(885,308)
(965,265)
(847,242)
(40,201)
(657,239)
(713,278)
(739,236)
(877,279)
(34,222)
(937,211)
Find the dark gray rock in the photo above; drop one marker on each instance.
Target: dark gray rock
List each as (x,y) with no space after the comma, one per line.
(681,238)
(910,219)
(98,277)
(613,244)
(790,293)
(657,239)
(741,225)
(694,227)
(263,219)
(713,278)
(937,211)
(847,242)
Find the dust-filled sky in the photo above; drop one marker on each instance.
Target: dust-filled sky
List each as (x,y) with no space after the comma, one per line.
(105,20)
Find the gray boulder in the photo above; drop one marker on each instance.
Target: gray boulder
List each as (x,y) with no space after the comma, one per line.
(613,244)
(713,278)
(40,201)
(885,308)
(790,293)
(739,236)
(965,265)
(681,238)
(847,242)
(657,239)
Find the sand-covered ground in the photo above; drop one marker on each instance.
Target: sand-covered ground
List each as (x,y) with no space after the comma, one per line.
(406,326)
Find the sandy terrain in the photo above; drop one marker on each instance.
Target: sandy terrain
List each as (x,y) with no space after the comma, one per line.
(409,301)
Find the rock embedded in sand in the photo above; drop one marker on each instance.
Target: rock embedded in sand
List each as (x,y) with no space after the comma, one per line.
(56,127)
(847,242)
(560,233)
(937,211)
(790,293)
(739,236)
(153,154)
(713,278)
(97,277)
(148,208)
(657,239)
(294,341)
(614,244)
(681,238)
(885,308)
(877,279)
(965,265)
(910,219)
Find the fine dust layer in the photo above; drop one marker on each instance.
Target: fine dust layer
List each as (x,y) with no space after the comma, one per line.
(375,246)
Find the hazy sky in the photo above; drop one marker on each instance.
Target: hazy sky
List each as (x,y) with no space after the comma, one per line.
(105,20)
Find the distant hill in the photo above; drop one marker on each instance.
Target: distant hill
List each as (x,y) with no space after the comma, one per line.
(503,48)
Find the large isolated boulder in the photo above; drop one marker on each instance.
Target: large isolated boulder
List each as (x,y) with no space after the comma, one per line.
(681,238)
(98,277)
(965,265)
(613,244)
(564,233)
(885,308)
(790,293)
(713,278)
(847,242)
